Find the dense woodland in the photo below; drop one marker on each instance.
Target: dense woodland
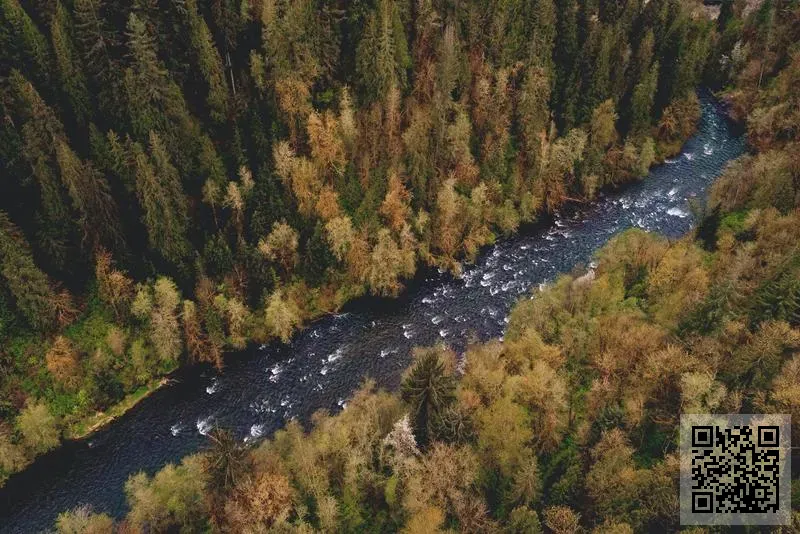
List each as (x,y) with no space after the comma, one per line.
(569,424)
(182,177)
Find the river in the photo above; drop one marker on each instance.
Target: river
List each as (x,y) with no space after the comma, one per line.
(262,388)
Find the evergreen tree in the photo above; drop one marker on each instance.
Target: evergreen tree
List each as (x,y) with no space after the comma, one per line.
(428,389)
(596,71)
(97,42)
(24,43)
(70,69)
(567,86)
(162,200)
(40,132)
(643,100)
(91,198)
(208,60)
(30,287)
(382,56)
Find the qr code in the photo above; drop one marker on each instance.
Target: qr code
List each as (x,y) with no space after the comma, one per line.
(735,469)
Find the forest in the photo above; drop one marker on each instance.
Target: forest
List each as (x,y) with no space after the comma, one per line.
(569,424)
(182,178)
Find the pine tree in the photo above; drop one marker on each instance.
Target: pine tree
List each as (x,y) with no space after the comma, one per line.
(71,75)
(30,287)
(40,130)
(596,72)
(567,86)
(382,56)
(91,198)
(534,116)
(543,35)
(156,103)
(146,80)
(428,389)
(208,60)
(643,100)
(24,40)
(162,200)
(97,43)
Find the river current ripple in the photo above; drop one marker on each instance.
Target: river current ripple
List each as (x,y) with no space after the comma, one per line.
(262,388)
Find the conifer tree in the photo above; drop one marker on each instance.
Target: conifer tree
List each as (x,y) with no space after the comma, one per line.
(30,287)
(40,130)
(428,389)
(382,56)
(208,60)
(162,200)
(91,198)
(567,86)
(97,41)
(596,71)
(23,37)
(643,100)
(70,69)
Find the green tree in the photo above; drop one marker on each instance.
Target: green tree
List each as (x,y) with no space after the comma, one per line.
(382,56)
(282,316)
(40,131)
(642,101)
(596,67)
(602,128)
(208,60)
(70,70)
(162,200)
(96,41)
(91,198)
(172,499)
(567,83)
(30,287)
(428,389)
(21,38)
(82,520)
(164,326)
(39,428)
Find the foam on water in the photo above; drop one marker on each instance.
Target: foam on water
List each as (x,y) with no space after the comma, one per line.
(211,389)
(337,355)
(205,425)
(275,372)
(677,212)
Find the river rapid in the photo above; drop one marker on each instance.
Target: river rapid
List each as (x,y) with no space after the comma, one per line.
(262,388)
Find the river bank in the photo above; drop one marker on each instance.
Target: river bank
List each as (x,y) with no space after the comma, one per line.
(85,427)
(323,364)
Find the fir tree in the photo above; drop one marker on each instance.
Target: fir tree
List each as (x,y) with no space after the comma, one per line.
(30,287)
(162,200)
